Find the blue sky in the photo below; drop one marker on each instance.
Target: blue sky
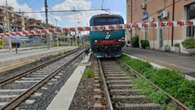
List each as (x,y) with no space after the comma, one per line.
(67,19)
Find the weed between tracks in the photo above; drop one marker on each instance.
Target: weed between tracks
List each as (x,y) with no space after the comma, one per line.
(89,73)
(156,96)
(171,81)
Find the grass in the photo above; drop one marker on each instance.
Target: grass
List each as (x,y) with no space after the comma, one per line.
(171,81)
(154,95)
(89,73)
(189,43)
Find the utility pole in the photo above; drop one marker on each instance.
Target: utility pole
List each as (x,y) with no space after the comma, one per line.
(7,26)
(102,6)
(131,17)
(46,13)
(48,37)
(173,18)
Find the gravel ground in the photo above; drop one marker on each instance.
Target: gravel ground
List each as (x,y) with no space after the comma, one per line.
(84,96)
(83,99)
(49,91)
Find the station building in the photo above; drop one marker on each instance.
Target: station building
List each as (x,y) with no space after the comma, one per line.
(161,10)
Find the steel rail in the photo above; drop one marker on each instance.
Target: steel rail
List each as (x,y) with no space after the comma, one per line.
(108,98)
(179,104)
(25,95)
(18,76)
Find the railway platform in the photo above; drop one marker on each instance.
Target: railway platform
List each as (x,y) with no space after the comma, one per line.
(184,63)
(64,97)
(11,60)
(21,49)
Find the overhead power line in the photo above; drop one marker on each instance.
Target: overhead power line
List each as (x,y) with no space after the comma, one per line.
(62,11)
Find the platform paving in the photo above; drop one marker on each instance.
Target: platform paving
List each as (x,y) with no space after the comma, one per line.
(184,63)
(11,60)
(64,97)
(13,50)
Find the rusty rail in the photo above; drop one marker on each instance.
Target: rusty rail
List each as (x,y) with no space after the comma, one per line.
(105,87)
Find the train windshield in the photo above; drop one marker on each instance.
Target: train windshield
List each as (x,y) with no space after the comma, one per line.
(107,21)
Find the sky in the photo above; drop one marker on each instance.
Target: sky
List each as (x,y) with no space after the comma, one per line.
(68,19)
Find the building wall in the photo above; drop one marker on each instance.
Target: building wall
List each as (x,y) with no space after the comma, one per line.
(12,21)
(154,7)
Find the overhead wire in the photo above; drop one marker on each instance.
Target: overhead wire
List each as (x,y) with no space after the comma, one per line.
(63,11)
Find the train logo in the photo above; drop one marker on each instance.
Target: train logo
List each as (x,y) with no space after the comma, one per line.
(107,35)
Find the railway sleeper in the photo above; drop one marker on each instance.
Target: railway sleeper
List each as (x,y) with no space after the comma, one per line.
(99,106)
(118,78)
(113,72)
(119,82)
(2,100)
(148,106)
(130,99)
(120,86)
(115,75)
(126,92)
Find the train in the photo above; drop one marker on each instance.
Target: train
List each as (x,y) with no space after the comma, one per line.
(107,43)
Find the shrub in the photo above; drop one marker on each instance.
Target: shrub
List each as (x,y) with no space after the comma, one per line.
(89,73)
(135,41)
(177,45)
(171,81)
(189,43)
(167,48)
(145,44)
(155,95)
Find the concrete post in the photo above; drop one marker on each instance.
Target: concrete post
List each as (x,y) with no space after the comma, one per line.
(57,39)
(9,43)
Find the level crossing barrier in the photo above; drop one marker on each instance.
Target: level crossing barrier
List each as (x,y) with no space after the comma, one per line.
(128,26)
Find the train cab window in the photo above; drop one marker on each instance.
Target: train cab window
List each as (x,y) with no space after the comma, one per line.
(107,21)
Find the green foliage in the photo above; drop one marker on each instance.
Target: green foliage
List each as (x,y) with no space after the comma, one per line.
(1,43)
(138,65)
(167,48)
(145,44)
(169,80)
(155,96)
(177,45)
(135,41)
(89,73)
(189,43)
(171,107)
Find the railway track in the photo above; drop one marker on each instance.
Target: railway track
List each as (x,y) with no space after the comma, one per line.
(44,62)
(119,90)
(17,89)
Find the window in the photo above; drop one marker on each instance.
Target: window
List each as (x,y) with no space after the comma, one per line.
(190,32)
(107,21)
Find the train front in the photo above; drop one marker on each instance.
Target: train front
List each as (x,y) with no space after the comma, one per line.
(107,43)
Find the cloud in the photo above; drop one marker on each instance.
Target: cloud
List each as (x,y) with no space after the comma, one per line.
(70,19)
(65,19)
(16,5)
(73,5)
